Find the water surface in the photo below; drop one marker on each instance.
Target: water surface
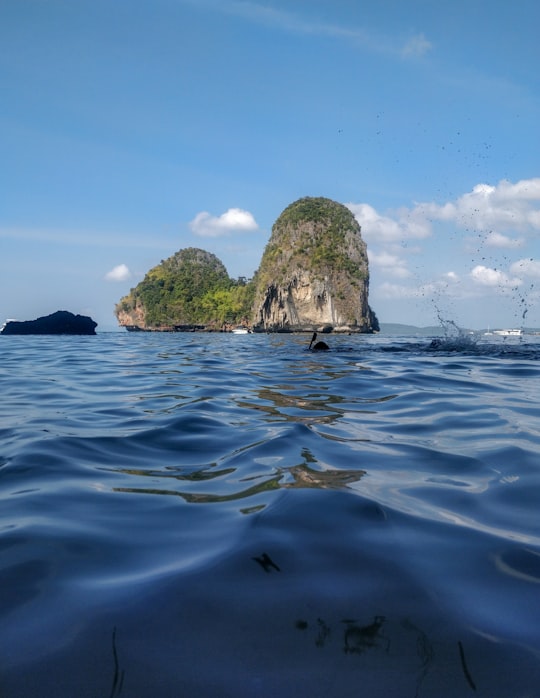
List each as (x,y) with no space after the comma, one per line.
(221,515)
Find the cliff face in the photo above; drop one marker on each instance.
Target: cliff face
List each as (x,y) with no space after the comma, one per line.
(314,271)
(130,313)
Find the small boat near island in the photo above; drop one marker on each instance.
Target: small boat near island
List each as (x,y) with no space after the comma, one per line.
(508,333)
(240,330)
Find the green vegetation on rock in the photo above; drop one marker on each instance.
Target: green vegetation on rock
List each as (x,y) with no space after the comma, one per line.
(312,231)
(190,288)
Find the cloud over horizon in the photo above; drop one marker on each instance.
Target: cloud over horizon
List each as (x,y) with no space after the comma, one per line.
(493,277)
(392,227)
(233,220)
(489,221)
(526,267)
(389,263)
(119,273)
(500,211)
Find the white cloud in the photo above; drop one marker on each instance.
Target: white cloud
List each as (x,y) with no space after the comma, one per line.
(489,222)
(417,46)
(389,264)
(303,24)
(388,290)
(448,285)
(234,219)
(495,278)
(378,228)
(498,212)
(397,291)
(505,207)
(118,273)
(526,267)
(524,190)
(499,240)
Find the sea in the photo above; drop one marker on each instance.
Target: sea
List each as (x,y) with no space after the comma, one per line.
(219,515)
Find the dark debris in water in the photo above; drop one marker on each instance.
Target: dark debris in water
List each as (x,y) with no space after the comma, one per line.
(465,668)
(266,562)
(358,638)
(118,674)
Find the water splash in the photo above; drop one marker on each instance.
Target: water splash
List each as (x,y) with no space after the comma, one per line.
(455,337)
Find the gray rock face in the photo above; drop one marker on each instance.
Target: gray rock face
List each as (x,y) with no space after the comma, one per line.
(314,272)
(61,322)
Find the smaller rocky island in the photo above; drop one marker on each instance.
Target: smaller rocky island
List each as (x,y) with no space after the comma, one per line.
(61,322)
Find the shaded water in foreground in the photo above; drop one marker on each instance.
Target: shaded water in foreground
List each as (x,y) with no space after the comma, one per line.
(218,515)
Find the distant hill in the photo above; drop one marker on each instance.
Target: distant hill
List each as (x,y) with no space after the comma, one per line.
(395,328)
(406,330)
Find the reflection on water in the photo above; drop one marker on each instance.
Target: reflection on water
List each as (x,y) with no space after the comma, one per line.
(522,564)
(286,478)
(293,408)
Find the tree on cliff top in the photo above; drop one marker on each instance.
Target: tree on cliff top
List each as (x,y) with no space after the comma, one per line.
(314,234)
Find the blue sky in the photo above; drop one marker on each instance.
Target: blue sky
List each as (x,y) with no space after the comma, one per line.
(130,130)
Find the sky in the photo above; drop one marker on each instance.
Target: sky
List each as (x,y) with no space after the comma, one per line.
(132,129)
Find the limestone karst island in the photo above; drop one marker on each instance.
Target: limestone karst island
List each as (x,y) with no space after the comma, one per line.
(313,276)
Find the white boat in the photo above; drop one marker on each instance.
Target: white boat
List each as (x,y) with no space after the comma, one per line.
(508,333)
(240,330)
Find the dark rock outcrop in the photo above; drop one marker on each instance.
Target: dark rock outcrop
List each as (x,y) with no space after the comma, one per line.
(314,272)
(61,322)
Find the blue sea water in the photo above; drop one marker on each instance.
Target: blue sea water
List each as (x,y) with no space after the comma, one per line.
(220,515)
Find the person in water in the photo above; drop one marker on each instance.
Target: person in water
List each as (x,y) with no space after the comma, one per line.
(318,346)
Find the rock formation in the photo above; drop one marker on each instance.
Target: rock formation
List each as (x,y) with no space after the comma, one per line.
(314,272)
(61,322)
(179,293)
(130,313)
(313,276)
